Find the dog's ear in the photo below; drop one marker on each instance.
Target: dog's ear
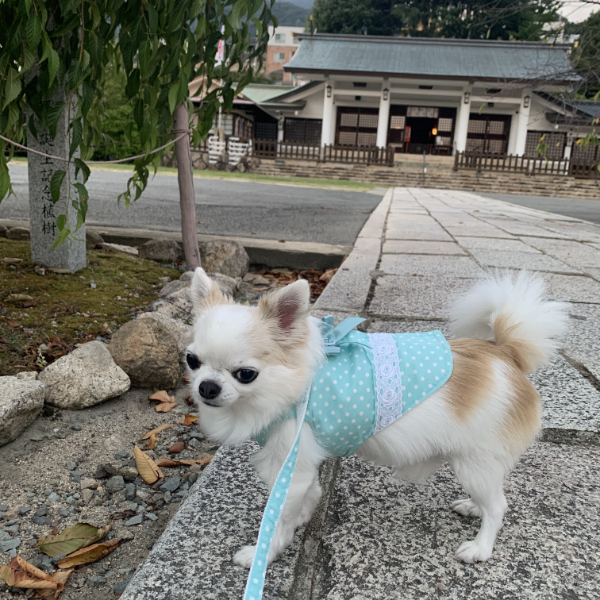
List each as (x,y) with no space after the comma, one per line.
(205,292)
(288,307)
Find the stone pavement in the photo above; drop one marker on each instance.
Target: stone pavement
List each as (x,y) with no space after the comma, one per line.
(373,537)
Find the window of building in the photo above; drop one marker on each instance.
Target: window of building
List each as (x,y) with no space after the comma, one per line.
(488,133)
(280,37)
(279,57)
(306,131)
(583,151)
(555,142)
(265,130)
(357,126)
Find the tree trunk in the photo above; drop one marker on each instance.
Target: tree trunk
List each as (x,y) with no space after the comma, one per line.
(187,198)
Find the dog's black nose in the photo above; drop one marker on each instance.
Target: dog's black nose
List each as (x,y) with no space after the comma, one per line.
(209,389)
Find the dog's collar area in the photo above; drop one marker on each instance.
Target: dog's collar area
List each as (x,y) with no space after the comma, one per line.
(332,335)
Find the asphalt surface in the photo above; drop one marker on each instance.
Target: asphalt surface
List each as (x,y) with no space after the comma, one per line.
(235,208)
(579,209)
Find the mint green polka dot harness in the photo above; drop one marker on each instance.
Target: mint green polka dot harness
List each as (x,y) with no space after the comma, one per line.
(367,382)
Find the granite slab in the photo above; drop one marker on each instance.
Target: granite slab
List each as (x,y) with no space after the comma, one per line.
(421,247)
(573,253)
(430,266)
(582,342)
(390,540)
(521,260)
(417,297)
(502,244)
(572,288)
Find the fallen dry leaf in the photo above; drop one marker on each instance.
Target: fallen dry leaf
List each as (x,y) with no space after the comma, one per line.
(326,277)
(151,442)
(169,462)
(189,419)
(11,261)
(60,577)
(14,324)
(88,555)
(71,539)
(19,573)
(146,467)
(161,396)
(189,400)
(16,297)
(165,407)
(156,431)
(185,379)
(177,447)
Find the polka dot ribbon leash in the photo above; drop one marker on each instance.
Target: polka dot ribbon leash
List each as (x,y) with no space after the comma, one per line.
(276,501)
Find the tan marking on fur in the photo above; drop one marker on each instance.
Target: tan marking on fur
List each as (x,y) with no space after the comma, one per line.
(472,376)
(472,379)
(215,297)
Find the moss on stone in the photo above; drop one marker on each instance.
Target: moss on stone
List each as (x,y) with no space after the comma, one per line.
(67,309)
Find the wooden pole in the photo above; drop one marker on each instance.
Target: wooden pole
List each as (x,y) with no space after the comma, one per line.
(187,198)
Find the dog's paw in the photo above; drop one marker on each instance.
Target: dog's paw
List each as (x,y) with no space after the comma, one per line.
(471,552)
(466,508)
(244,556)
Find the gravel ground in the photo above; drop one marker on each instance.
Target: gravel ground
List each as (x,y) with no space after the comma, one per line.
(43,470)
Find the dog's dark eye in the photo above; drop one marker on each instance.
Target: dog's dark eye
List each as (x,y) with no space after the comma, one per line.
(193,362)
(246,375)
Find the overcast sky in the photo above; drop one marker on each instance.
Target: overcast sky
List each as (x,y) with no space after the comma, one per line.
(578,11)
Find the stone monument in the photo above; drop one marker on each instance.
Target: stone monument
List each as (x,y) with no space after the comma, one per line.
(43,213)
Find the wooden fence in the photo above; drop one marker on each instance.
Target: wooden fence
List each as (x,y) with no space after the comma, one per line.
(529,165)
(366,155)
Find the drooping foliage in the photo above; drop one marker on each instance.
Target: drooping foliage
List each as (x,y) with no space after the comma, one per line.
(55,56)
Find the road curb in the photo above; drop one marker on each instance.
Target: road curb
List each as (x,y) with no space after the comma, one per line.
(268,253)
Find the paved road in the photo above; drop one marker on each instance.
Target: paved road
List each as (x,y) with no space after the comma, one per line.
(235,208)
(579,209)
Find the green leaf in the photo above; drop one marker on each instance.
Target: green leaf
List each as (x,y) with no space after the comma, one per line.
(152,19)
(34,31)
(62,236)
(81,166)
(173,92)
(4,182)
(28,58)
(55,183)
(61,221)
(12,88)
(76,136)
(83,193)
(54,112)
(53,64)
(239,8)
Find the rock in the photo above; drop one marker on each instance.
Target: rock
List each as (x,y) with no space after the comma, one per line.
(137,520)
(194,443)
(100,472)
(88,484)
(256,279)
(193,478)
(21,401)
(224,256)
(87,495)
(84,378)
(24,510)
(151,516)
(115,484)
(120,587)
(96,581)
(130,490)
(187,276)
(28,375)
(171,484)
(41,521)
(173,286)
(76,427)
(93,239)
(120,248)
(227,284)
(53,497)
(161,250)
(42,511)
(181,331)
(177,306)
(3,230)
(148,352)
(12,544)
(18,233)
(127,473)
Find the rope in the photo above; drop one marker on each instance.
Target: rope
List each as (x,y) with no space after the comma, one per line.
(183,132)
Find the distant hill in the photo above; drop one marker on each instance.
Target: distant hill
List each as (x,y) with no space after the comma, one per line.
(303,3)
(290,14)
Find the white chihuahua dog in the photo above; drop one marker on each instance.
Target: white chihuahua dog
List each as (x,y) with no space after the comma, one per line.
(249,365)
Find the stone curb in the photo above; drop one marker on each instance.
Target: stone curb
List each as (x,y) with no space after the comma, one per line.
(270,253)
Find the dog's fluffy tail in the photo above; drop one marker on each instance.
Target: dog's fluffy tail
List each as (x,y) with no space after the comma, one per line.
(510,309)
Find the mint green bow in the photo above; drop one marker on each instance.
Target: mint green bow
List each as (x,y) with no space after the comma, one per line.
(333,335)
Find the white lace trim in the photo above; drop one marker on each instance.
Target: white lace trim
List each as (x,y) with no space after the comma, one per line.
(388,380)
